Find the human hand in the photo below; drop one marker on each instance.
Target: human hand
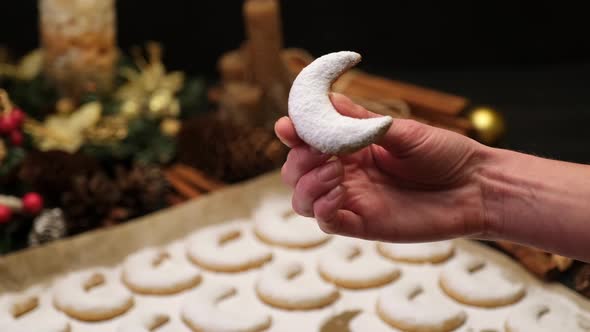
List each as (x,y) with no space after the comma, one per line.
(416,184)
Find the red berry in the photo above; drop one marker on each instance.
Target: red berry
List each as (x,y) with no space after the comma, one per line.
(16,137)
(7,124)
(5,214)
(18,117)
(32,203)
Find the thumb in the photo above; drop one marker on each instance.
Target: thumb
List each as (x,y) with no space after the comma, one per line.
(401,137)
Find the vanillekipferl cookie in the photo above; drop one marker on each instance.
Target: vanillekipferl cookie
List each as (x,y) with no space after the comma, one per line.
(159,272)
(227,247)
(316,120)
(472,280)
(91,296)
(16,312)
(286,285)
(276,223)
(201,311)
(347,264)
(425,252)
(409,305)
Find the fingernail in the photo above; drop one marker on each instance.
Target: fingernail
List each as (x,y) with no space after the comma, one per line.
(330,171)
(335,193)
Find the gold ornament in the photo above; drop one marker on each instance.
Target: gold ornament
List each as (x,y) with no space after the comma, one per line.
(64,132)
(488,124)
(170,127)
(3,151)
(109,129)
(26,69)
(151,89)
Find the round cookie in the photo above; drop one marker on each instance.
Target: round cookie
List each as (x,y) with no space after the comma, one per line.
(14,316)
(409,306)
(316,120)
(91,296)
(286,285)
(144,322)
(473,281)
(201,311)
(426,252)
(227,247)
(346,264)
(159,272)
(276,223)
(546,317)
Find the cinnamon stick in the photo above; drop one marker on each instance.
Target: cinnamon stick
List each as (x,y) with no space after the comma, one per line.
(181,186)
(196,178)
(416,96)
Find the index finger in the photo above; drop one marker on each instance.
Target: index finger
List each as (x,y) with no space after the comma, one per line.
(285,131)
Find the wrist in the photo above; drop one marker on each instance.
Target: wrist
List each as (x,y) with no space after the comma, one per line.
(495,187)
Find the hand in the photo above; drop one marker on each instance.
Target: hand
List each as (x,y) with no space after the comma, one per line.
(417,183)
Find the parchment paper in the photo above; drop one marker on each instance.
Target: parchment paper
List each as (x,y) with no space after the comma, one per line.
(108,247)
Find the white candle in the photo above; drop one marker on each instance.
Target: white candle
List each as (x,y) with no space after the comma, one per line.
(79,44)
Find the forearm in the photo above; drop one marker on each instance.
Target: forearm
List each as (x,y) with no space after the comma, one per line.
(536,201)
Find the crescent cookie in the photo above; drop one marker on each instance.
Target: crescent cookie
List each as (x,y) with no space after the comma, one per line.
(314,117)
(159,272)
(546,317)
(427,252)
(286,285)
(346,264)
(275,223)
(91,296)
(144,322)
(14,316)
(473,281)
(409,306)
(228,247)
(201,311)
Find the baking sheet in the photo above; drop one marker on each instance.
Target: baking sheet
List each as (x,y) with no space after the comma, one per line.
(108,247)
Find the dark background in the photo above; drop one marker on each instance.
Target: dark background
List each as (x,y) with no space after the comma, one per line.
(530,60)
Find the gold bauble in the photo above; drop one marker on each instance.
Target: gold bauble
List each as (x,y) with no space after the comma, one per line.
(170,127)
(488,124)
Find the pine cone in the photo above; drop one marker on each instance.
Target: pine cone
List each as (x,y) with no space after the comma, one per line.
(89,201)
(142,190)
(229,152)
(50,173)
(49,226)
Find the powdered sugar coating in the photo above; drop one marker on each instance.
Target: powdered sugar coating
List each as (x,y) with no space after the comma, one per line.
(157,271)
(468,280)
(348,265)
(425,252)
(105,301)
(546,317)
(276,223)
(410,305)
(316,120)
(285,284)
(228,247)
(145,321)
(11,304)
(202,313)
